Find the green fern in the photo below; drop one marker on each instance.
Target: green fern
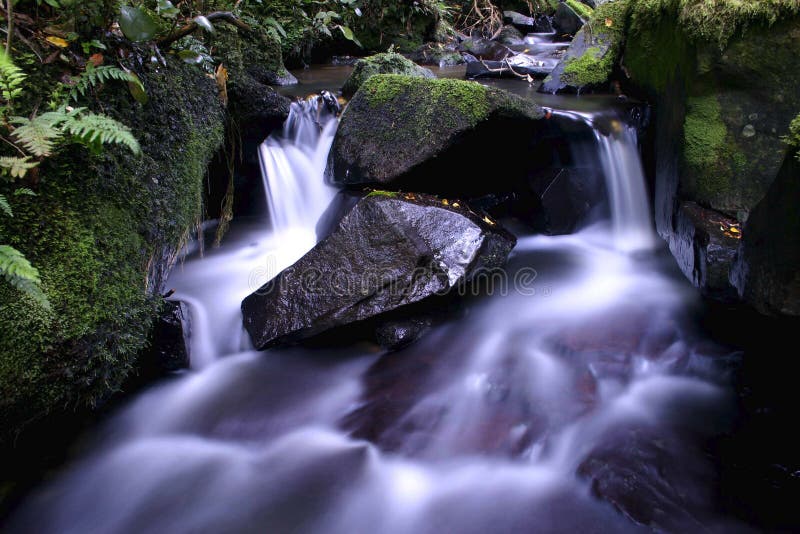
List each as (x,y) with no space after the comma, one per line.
(96,130)
(40,135)
(16,167)
(5,207)
(19,272)
(98,75)
(11,78)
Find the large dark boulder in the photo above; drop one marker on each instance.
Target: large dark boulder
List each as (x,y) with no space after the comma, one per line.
(390,251)
(767,270)
(421,134)
(570,17)
(525,24)
(386,63)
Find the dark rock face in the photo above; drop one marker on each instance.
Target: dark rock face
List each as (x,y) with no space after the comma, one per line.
(388,252)
(169,349)
(387,63)
(566,20)
(485,49)
(405,131)
(767,270)
(704,249)
(566,197)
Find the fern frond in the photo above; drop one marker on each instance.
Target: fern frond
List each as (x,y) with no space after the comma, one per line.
(19,272)
(95,129)
(11,78)
(5,207)
(17,167)
(38,135)
(98,75)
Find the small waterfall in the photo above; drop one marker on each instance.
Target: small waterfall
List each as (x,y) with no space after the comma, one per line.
(630,208)
(616,147)
(293,164)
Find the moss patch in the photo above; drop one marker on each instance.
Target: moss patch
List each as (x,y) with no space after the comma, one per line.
(585,12)
(794,134)
(386,63)
(102,232)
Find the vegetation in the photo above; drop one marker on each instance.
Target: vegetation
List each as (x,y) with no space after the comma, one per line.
(386,63)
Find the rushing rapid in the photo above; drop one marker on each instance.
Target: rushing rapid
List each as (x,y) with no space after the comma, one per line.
(574,397)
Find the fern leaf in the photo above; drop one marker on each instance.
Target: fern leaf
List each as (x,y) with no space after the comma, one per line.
(98,75)
(5,207)
(92,128)
(17,168)
(19,272)
(11,78)
(38,135)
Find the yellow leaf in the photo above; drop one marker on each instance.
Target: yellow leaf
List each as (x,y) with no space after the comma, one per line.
(609,23)
(57,41)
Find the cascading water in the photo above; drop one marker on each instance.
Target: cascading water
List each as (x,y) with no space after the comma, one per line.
(575,398)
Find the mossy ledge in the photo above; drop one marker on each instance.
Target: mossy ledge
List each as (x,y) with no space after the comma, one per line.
(386,63)
(103,231)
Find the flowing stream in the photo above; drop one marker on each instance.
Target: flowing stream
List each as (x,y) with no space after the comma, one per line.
(574,398)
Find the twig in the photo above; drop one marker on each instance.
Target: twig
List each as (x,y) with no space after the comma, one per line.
(10,17)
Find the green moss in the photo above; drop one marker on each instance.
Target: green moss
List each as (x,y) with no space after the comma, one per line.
(716,20)
(389,194)
(102,231)
(604,35)
(386,63)
(704,132)
(585,12)
(794,134)
(468,100)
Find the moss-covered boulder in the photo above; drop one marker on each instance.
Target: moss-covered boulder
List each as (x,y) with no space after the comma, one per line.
(103,231)
(386,63)
(407,130)
(593,54)
(726,80)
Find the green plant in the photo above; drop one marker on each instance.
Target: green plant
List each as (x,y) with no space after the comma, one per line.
(35,138)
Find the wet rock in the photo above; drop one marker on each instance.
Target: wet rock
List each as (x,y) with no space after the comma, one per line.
(388,252)
(705,248)
(588,62)
(257,108)
(169,348)
(396,334)
(423,135)
(514,66)
(485,49)
(566,197)
(525,24)
(436,54)
(648,477)
(387,63)
(567,20)
(767,268)
(510,35)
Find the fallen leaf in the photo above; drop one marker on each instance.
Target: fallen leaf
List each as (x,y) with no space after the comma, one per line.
(221,75)
(96,59)
(609,23)
(57,41)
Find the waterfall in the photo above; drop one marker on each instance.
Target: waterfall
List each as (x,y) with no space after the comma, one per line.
(616,147)
(293,164)
(578,388)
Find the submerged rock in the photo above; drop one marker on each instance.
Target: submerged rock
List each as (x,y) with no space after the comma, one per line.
(386,63)
(390,251)
(396,334)
(424,134)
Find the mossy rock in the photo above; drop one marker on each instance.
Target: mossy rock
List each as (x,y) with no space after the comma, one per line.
(255,53)
(594,53)
(386,63)
(396,125)
(103,231)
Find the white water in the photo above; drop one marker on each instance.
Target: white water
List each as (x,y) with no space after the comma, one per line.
(481,426)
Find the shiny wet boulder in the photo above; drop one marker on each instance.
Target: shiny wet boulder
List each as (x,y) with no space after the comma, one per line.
(391,250)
